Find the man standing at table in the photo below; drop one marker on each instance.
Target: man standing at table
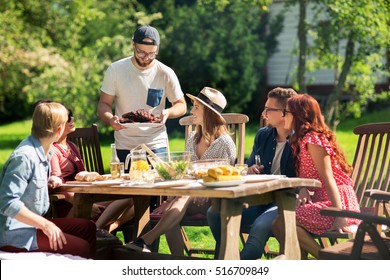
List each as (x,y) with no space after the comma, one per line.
(271,144)
(141,82)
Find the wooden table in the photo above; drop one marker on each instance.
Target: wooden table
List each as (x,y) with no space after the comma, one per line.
(230,201)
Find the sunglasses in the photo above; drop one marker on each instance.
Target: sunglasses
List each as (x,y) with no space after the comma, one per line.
(70,115)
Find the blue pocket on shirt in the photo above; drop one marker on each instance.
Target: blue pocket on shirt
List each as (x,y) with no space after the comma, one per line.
(154,97)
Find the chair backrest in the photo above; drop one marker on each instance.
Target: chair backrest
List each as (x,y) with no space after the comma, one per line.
(371,161)
(236,126)
(87,140)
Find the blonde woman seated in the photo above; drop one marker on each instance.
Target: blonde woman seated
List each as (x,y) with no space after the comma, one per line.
(209,140)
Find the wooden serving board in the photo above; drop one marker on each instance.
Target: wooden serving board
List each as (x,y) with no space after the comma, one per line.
(98,183)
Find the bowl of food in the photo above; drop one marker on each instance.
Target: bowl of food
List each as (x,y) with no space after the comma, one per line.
(199,168)
(171,166)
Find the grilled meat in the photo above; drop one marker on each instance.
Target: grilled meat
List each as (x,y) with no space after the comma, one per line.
(139,116)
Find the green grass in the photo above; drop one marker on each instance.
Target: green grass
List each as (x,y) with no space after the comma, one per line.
(11,134)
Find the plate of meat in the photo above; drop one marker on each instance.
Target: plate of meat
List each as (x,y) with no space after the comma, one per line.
(140,118)
(145,124)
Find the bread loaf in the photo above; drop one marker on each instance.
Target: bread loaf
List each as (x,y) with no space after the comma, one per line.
(227,169)
(91,176)
(214,172)
(208,178)
(222,173)
(87,176)
(81,175)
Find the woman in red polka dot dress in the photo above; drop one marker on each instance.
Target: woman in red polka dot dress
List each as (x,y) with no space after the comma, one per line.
(317,156)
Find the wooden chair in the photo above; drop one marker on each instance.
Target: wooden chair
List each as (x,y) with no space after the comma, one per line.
(370,171)
(368,243)
(236,126)
(87,140)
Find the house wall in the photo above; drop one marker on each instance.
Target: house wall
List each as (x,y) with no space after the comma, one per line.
(282,65)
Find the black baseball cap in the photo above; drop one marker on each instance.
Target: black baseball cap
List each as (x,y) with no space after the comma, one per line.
(146,31)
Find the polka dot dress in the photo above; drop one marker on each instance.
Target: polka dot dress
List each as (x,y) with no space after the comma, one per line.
(308,215)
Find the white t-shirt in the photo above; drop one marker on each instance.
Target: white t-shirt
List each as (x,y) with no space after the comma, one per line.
(141,89)
(275,168)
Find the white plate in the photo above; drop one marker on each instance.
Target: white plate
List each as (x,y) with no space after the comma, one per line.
(261,177)
(173,183)
(222,184)
(141,124)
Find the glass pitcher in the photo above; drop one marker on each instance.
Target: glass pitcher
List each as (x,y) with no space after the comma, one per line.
(138,166)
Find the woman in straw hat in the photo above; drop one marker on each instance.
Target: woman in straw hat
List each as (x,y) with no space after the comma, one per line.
(210,140)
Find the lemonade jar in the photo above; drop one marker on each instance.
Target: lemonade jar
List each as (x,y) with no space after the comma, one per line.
(139,165)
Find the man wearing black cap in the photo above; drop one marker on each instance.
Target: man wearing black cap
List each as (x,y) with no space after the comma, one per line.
(140,82)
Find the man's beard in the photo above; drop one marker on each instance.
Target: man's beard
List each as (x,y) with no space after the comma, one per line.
(142,64)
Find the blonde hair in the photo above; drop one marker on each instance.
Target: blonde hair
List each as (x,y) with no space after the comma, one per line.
(47,118)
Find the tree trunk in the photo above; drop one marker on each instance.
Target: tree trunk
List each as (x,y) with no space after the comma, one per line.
(302,46)
(331,108)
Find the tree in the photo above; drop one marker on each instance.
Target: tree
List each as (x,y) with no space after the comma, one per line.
(367,44)
(350,26)
(61,49)
(221,44)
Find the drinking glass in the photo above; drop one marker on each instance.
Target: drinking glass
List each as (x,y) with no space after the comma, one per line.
(257,160)
(242,168)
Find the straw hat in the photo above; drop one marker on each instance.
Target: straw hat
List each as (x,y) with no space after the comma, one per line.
(211,98)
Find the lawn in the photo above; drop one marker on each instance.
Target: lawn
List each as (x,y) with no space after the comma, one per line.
(11,134)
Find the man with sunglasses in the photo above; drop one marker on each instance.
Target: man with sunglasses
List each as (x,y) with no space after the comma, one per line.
(141,82)
(271,145)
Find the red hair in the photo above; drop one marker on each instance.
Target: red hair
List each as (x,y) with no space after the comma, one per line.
(308,118)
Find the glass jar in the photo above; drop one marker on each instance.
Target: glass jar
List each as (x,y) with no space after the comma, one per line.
(138,166)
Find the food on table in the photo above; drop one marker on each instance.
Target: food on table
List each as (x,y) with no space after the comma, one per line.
(172,165)
(90,176)
(199,168)
(215,172)
(199,173)
(139,116)
(222,173)
(179,167)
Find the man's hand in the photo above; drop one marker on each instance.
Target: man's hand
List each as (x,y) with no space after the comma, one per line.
(114,122)
(255,169)
(164,115)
